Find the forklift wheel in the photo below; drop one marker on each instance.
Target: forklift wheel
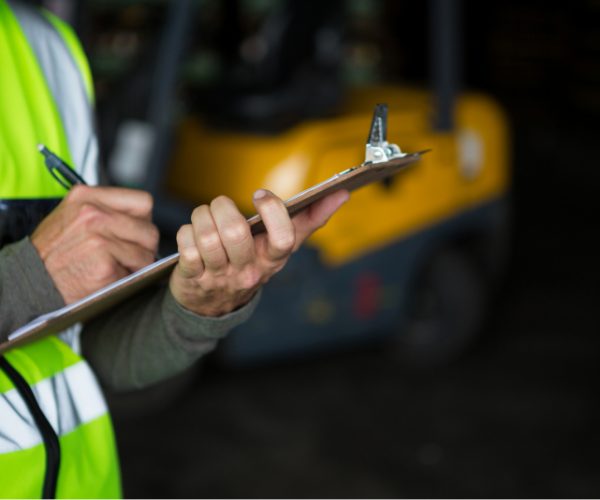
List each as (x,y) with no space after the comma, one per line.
(445,312)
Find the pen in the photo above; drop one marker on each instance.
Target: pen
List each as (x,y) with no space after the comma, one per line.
(61,171)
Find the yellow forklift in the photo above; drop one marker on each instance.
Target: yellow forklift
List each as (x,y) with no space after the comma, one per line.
(412,260)
(412,256)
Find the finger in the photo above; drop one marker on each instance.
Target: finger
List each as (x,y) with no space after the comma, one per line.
(208,240)
(135,230)
(317,214)
(131,201)
(118,225)
(281,234)
(129,255)
(123,255)
(234,232)
(190,262)
(105,272)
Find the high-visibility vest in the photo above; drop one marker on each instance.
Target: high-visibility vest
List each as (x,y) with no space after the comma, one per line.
(45,97)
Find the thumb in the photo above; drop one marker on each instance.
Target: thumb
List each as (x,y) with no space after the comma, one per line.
(317,215)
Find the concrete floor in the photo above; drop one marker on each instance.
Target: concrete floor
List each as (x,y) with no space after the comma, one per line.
(516,417)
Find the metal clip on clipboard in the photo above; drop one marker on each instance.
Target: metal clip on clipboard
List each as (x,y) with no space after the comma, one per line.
(378,150)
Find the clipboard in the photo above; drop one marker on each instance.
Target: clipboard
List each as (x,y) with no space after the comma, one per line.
(383,160)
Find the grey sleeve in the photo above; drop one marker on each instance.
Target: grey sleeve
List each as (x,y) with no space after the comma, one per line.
(26,288)
(151,337)
(148,338)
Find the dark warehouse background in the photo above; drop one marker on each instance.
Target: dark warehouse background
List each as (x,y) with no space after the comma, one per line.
(517,414)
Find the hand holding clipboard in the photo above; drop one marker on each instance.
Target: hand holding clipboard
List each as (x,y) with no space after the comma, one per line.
(382,160)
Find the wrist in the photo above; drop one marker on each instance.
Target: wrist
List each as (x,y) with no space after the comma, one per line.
(213,304)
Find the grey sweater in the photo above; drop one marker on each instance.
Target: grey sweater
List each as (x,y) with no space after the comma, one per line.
(143,340)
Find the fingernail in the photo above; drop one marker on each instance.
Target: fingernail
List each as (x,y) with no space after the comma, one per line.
(261,193)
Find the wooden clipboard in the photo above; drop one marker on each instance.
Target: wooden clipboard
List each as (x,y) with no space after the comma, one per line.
(90,306)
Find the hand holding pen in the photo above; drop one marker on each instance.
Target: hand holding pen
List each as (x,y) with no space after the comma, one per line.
(96,235)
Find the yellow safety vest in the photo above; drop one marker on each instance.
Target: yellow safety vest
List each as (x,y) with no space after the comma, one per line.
(45,97)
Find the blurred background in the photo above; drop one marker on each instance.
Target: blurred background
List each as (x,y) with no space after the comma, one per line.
(440,336)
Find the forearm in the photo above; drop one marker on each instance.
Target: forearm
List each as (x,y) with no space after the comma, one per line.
(26,289)
(137,343)
(151,337)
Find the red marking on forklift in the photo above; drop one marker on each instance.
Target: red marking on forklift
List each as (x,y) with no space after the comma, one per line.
(368,295)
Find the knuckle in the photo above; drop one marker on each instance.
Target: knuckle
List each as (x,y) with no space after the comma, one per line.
(184,235)
(71,197)
(200,212)
(218,283)
(90,214)
(220,201)
(250,278)
(147,202)
(209,241)
(86,209)
(105,270)
(236,234)
(284,242)
(78,192)
(96,242)
(191,256)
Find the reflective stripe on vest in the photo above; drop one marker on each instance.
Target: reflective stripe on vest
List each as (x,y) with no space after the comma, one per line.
(42,106)
(67,392)
(67,83)
(68,399)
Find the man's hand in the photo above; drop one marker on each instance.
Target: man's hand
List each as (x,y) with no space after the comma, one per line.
(95,236)
(221,264)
